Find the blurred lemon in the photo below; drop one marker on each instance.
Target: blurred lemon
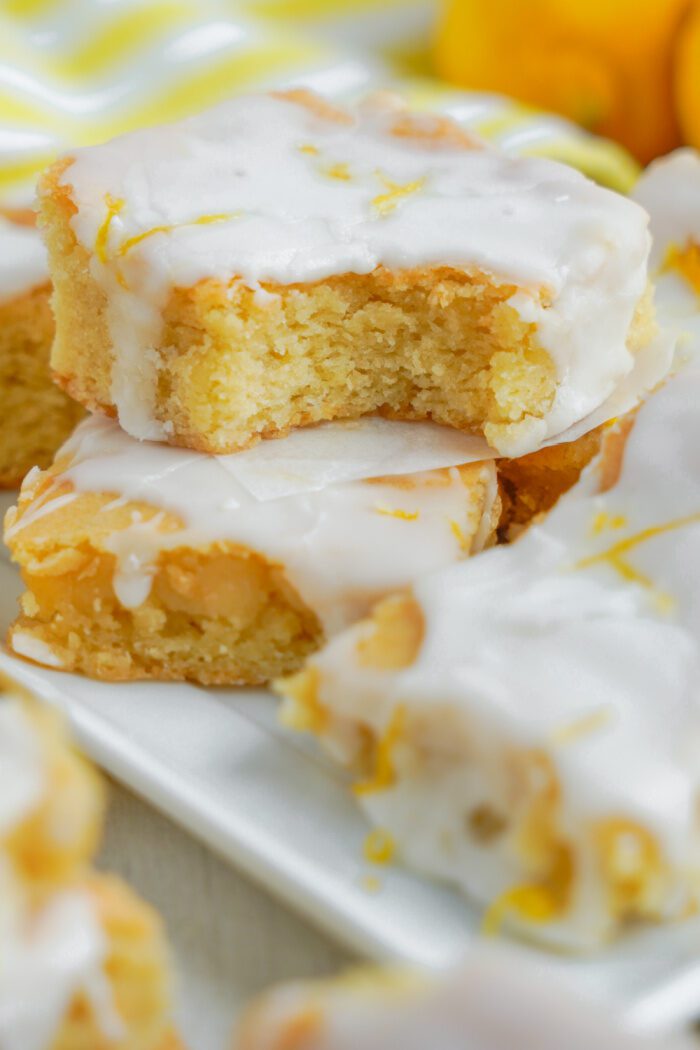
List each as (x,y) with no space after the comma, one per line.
(687,81)
(607,64)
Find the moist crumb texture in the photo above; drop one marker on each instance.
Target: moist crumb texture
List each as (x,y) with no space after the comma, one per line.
(216,616)
(410,345)
(424,345)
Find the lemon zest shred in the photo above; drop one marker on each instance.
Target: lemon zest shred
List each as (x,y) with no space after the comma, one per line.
(303,710)
(528,901)
(131,242)
(664,602)
(458,533)
(114,207)
(581,727)
(629,572)
(630,857)
(615,557)
(402,515)
(203,220)
(309,149)
(384,775)
(630,542)
(603,521)
(379,847)
(686,262)
(339,171)
(535,902)
(385,203)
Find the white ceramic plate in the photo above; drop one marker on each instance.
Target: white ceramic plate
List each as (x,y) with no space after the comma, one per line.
(216,762)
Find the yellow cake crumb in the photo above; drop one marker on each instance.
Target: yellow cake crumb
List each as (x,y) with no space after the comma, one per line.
(384,775)
(217,615)
(35,416)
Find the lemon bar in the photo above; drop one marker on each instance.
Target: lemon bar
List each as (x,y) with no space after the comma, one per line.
(401,1009)
(52,815)
(83,961)
(146,561)
(35,416)
(525,725)
(277,261)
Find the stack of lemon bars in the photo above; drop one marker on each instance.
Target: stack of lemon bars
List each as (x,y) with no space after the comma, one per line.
(340,365)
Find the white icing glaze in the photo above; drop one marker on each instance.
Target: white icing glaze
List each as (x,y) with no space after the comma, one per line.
(493,1001)
(22,772)
(137,550)
(527,640)
(311,458)
(341,545)
(34,649)
(670,191)
(23,263)
(287,219)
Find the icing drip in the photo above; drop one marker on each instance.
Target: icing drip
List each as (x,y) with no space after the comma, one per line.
(34,649)
(342,545)
(23,263)
(261,189)
(136,550)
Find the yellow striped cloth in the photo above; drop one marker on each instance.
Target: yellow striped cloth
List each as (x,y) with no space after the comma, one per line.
(399,29)
(74,72)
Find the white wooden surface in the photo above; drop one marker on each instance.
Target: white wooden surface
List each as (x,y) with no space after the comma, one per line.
(230,939)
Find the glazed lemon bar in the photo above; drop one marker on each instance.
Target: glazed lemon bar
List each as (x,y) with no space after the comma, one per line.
(277,261)
(147,561)
(35,416)
(463,1009)
(83,962)
(526,725)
